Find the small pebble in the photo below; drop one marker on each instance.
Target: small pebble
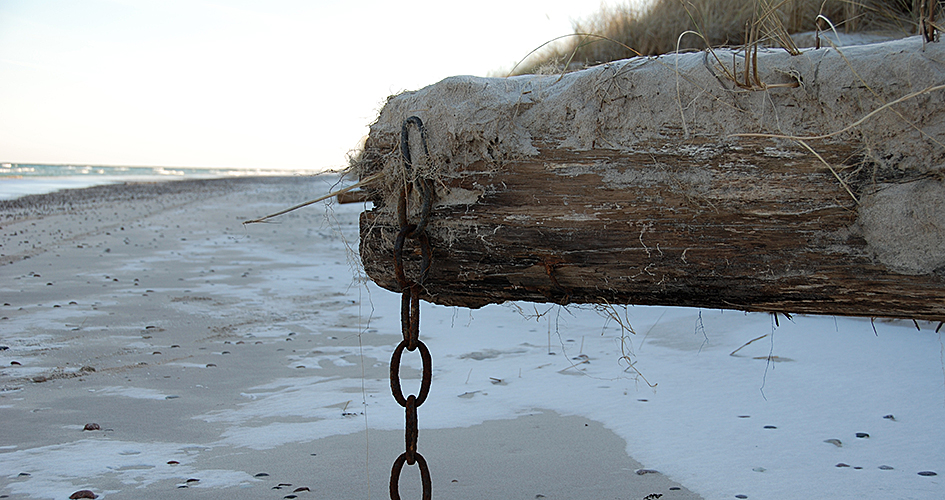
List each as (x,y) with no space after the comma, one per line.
(862,435)
(211,365)
(835,442)
(193,480)
(770,427)
(173,462)
(927,473)
(641,472)
(291,496)
(262,474)
(885,467)
(302,488)
(841,464)
(889,417)
(674,488)
(741,496)
(92,427)
(83,494)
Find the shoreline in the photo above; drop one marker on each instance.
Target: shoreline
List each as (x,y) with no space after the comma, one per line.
(68,199)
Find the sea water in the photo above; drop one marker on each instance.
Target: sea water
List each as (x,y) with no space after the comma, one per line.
(20,179)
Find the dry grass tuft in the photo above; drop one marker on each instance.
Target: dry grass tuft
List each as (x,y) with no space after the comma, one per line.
(656,28)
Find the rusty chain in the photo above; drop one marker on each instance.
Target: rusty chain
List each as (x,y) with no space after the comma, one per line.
(410,310)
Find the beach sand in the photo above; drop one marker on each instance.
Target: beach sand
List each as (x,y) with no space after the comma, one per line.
(153,313)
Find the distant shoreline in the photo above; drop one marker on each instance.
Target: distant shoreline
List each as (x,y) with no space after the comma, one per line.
(69,199)
(22,179)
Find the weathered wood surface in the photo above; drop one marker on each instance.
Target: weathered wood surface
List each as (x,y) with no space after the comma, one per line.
(743,224)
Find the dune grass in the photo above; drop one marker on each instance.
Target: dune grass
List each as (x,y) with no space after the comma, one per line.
(657,27)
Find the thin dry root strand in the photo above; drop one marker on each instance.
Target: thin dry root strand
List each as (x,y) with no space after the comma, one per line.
(746,344)
(848,127)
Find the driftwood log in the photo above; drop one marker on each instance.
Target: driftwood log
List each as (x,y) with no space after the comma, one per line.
(631,183)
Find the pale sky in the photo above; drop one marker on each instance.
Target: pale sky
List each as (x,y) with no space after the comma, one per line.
(239,83)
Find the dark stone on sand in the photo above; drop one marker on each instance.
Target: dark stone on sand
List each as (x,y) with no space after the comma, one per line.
(741,496)
(885,467)
(928,473)
(770,427)
(92,427)
(3,348)
(889,417)
(841,464)
(82,494)
(262,474)
(862,435)
(641,472)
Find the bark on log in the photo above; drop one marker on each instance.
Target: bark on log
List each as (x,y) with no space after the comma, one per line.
(622,184)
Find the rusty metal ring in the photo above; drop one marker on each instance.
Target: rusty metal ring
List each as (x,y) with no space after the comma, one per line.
(424,476)
(399,255)
(411,432)
(426,374)
(405,140)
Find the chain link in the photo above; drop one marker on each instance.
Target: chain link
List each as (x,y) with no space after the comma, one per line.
(410,311)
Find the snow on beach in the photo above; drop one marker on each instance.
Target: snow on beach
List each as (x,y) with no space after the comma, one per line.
(226,349)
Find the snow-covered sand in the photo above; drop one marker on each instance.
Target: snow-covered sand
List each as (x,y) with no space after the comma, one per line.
(231,360)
